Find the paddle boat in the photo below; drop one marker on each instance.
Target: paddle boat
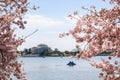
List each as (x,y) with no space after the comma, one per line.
(71,63)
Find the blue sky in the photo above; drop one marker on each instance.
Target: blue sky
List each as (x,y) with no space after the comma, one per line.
(51,20)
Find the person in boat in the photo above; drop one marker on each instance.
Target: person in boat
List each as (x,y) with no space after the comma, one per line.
(71,63)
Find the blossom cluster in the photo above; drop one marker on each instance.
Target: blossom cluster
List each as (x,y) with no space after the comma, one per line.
(101,31)
(12,12)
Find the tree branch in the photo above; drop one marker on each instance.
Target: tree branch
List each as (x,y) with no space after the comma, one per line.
(3,58)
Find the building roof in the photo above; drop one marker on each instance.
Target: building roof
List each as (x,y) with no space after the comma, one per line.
(42,45)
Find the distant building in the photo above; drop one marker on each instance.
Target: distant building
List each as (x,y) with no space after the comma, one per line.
(105,53)
(41,49)
(75,51)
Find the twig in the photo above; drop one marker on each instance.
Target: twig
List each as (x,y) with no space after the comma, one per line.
(31,34)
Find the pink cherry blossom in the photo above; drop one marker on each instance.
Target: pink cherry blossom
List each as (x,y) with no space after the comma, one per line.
(12,14)
(101,31)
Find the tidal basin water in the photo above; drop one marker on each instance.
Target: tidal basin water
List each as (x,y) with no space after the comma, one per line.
(55,68)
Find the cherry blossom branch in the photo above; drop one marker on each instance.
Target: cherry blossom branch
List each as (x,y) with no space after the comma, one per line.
(101,31)
(3,59)
(31,34)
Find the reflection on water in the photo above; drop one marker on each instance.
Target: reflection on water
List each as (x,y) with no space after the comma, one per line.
(55,68)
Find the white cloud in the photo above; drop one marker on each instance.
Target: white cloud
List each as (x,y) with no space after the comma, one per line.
(48,31)
(41,21)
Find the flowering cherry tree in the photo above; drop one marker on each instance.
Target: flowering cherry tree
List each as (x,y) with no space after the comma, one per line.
(11,16)
(101,31)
